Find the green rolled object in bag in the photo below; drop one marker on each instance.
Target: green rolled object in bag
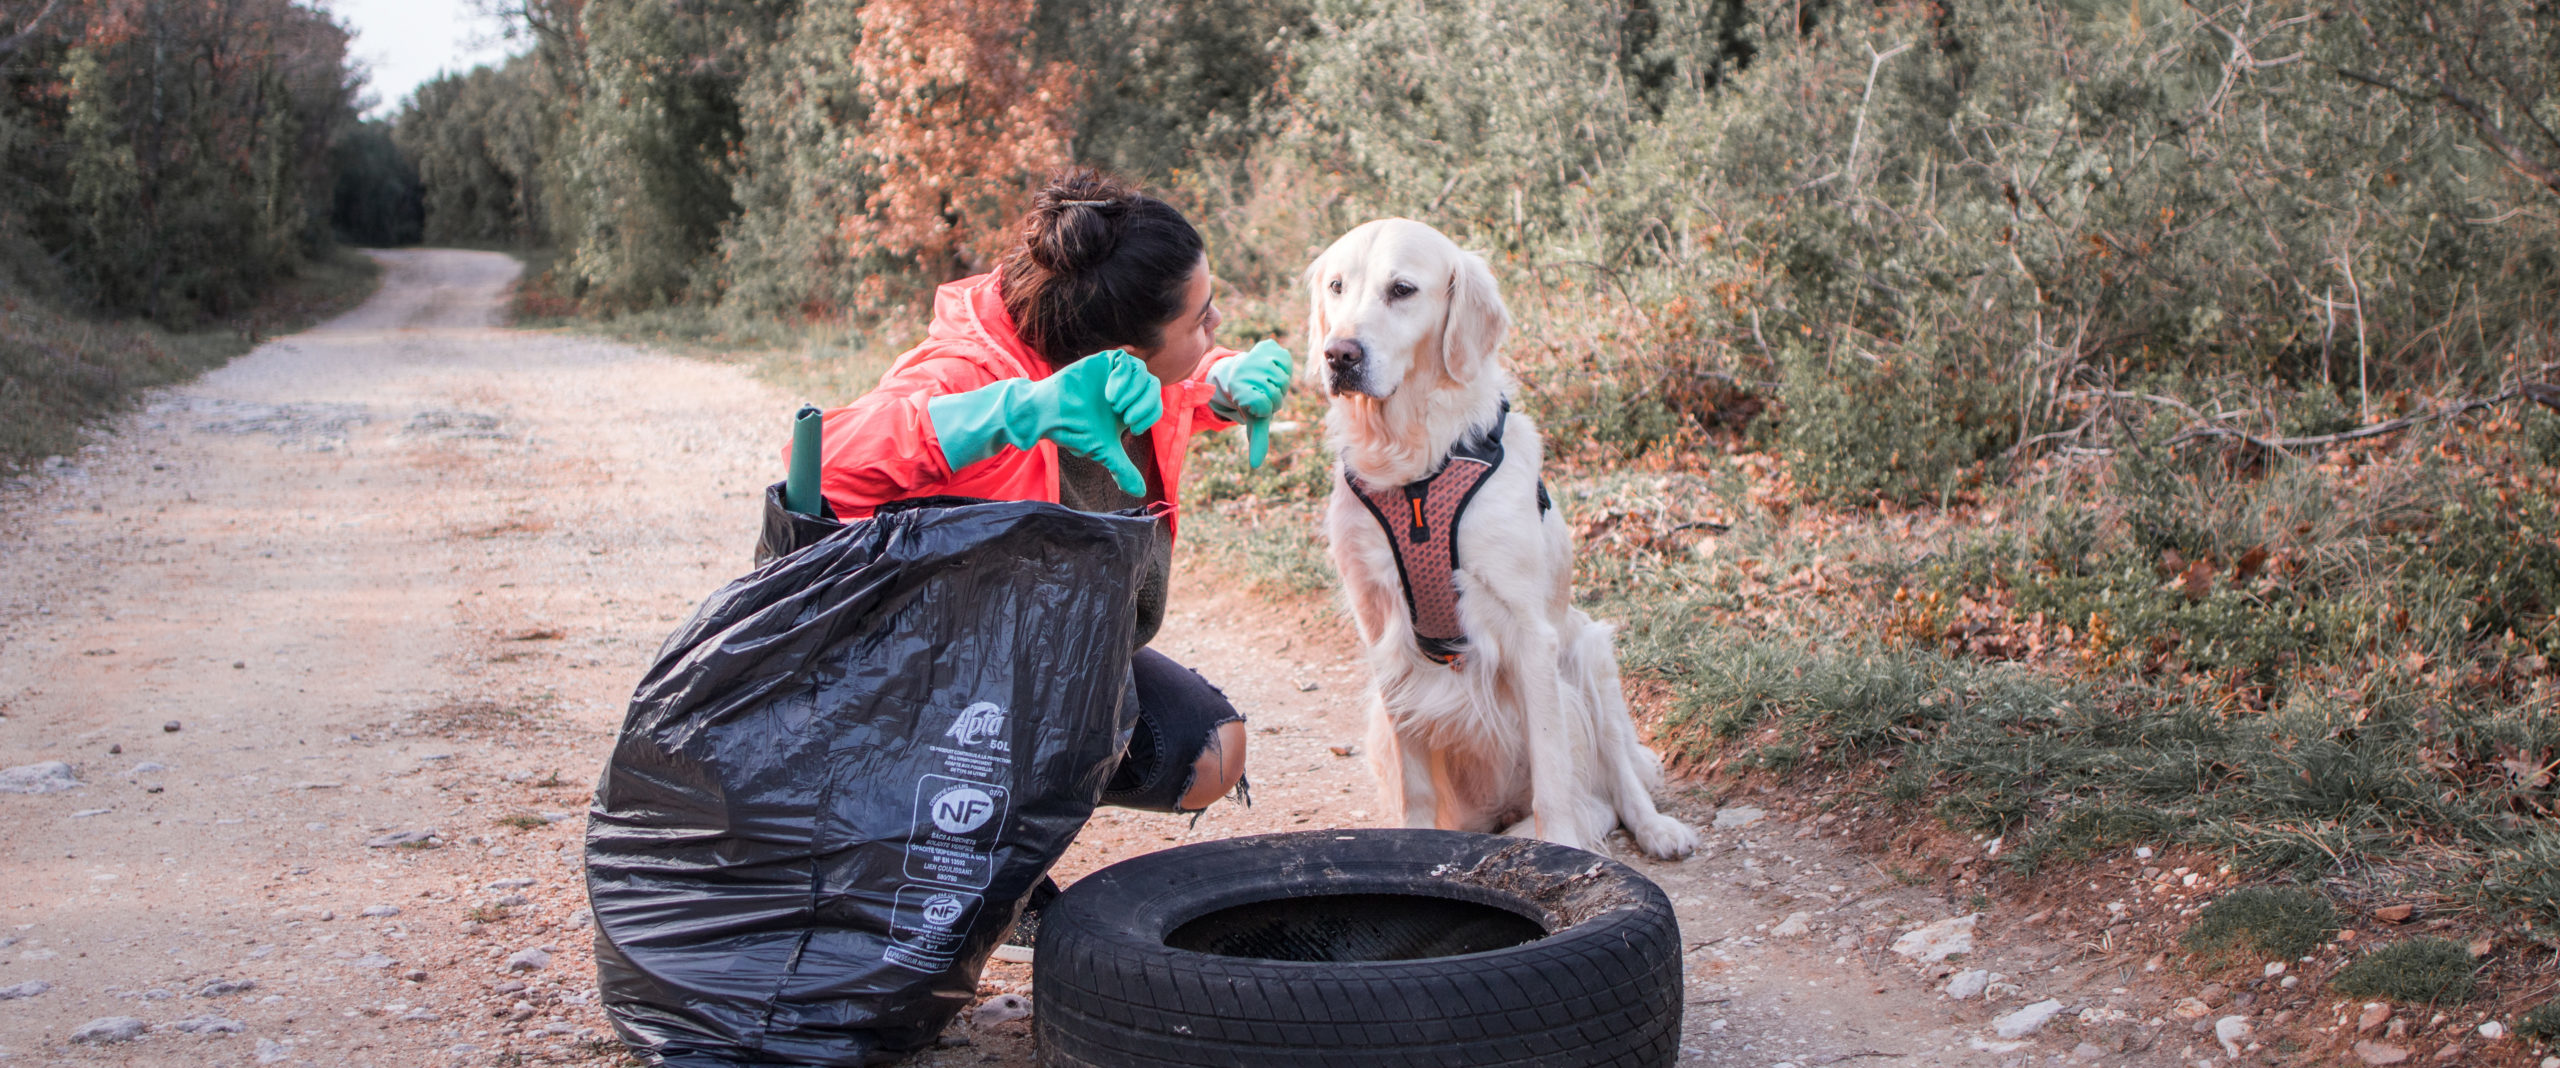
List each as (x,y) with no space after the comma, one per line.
(800,488)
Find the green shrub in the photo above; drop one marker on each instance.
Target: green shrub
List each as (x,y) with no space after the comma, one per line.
(2541,1023)
(2523,878)
(2420,971)
(2274,922)
(1912,429)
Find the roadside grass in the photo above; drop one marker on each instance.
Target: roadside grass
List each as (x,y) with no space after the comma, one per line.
(2418,971)
(61,373)
(2261,923)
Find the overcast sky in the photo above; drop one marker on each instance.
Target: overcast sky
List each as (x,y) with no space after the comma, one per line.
(405,42)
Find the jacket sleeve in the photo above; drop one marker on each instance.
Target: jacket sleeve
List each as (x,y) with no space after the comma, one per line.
(1203,419)
(882,447)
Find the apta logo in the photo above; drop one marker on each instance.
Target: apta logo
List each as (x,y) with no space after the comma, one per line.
(978,724)
(962,809)
(943,910)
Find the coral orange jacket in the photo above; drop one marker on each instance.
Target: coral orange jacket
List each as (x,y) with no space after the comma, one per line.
(882,447)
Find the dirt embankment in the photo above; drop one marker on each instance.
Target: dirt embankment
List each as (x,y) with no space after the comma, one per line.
(335,639)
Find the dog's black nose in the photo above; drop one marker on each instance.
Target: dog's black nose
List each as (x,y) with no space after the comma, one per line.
(1344,354)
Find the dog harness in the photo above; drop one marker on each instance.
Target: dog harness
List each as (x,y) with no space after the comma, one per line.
(1421,522)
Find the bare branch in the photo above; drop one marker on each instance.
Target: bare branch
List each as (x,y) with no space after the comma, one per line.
(2482,123)
(18,40)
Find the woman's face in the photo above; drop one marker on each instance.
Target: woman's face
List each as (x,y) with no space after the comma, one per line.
(1189,334)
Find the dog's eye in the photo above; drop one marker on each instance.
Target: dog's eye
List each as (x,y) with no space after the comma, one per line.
(1401,290)
(1336,286)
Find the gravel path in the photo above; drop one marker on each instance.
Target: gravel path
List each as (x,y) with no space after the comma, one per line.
(334,639)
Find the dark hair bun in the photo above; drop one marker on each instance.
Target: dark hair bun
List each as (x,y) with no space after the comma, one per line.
(1077,220)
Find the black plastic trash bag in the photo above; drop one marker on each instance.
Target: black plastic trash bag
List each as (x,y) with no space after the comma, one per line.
(843,775)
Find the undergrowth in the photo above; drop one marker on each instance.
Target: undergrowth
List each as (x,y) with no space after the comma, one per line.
(2261,923)
(2419,971)
(61,372)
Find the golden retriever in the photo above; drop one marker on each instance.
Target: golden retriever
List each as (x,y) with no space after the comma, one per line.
(1520,726)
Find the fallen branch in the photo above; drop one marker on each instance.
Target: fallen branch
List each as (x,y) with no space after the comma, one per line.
(2547,396)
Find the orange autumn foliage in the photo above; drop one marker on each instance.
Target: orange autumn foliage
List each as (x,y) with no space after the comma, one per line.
(962,125)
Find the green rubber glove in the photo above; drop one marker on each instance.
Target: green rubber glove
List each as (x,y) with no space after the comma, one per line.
(1248,389)
(1084,407)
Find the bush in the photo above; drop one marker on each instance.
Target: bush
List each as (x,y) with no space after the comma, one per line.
(2524,879)
(2275,922)
(2541,1023)
(2420,971)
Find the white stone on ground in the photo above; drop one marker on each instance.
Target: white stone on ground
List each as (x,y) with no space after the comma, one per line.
(1938,941)
(528,960)
(1001,1008)
(109,1029)
(1796,924)
(1968,984)
(2026,1021)
(1738,816)
(208,1024)
(39,778)
(28,989)
(2231,1031)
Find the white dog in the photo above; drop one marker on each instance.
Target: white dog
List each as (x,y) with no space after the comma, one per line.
(1497,704)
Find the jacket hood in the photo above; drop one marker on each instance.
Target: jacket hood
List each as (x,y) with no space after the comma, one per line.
(971,311)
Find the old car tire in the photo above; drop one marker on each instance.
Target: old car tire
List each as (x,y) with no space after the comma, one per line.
(1349,949)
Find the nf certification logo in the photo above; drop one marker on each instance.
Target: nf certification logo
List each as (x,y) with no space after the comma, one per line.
(962,809)
(978,724)
(943,910)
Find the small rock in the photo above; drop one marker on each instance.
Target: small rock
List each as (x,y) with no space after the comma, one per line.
(2274,968)
(2231,1031)
(172,727)
(271,1051)
(1307,687)
(2395,914)
(147,767)
(378,912)
(511,986)
(508,901)
(511,884)
(2157,962)
(225,987)
(40,778)
(106,1029)
(2372,1052)
(2451,1051)
(1938,941)
(1968,984)
(28,989)
(372,960)
(528,960)
(1002,1008)
(2191,1009)
(415,975)
(2089,1051)
(400,838)
(421,1016)
(582,918)
(2375,1014)
(1797,924)
(2493,1030)
(2026,1021)
(1738,816)
(2213,993)
(2289,982)
(208,1024)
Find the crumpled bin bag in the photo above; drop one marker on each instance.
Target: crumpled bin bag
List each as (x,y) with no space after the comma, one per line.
(842,776)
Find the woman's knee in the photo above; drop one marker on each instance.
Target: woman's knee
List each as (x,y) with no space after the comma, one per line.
(1219,767)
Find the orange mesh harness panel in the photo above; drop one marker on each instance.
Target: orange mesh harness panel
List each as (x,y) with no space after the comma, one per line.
(1421,522)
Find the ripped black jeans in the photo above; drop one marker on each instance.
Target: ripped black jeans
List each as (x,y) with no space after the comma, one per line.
(1178,713)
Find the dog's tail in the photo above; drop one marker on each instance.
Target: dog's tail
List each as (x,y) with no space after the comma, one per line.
(1591,668)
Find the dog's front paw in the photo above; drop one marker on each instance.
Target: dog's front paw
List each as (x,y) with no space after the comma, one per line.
(1665,838)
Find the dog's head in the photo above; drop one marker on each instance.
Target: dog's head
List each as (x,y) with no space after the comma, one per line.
(1395,300)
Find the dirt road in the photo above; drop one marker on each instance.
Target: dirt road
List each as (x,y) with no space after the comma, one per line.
(396,575)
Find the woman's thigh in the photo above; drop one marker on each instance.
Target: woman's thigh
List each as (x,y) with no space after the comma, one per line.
(1179,714)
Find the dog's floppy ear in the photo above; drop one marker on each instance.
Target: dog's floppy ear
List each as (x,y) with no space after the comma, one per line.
(1477,320)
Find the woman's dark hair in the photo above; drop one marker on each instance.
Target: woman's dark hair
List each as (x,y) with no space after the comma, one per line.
(1100,266)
